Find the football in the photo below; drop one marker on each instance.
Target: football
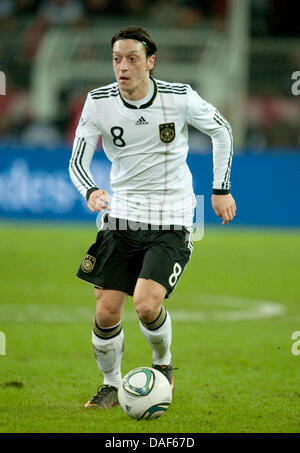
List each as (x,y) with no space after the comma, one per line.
(145,393)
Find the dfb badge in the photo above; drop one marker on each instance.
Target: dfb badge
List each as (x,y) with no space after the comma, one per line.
(88,263)
(167,132)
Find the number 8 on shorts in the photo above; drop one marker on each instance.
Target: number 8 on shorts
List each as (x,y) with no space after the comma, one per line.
(175,274)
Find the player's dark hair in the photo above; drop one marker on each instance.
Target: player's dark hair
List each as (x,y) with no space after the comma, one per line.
(139,34)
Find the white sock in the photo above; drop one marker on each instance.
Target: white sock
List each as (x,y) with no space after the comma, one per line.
(159,340)
(108,353)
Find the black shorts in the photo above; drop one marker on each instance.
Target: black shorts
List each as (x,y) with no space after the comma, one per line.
(125,251)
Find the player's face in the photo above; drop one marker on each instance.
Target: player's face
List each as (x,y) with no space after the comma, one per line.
(131,65)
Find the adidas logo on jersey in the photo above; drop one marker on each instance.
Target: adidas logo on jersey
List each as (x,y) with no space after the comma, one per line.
(141,121)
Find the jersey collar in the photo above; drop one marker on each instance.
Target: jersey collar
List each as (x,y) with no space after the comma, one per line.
(143,106)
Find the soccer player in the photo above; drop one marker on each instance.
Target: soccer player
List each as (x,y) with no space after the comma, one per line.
(145,240)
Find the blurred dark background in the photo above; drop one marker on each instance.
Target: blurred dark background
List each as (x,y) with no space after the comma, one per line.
(271,111)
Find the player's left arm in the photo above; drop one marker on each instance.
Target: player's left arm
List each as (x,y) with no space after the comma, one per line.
(224,207)
(206,118)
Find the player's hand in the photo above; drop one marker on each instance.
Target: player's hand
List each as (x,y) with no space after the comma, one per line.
(224,207)
(98,201)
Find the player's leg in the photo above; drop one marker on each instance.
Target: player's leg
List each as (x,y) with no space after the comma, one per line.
(155,323)
(163,265)
(105,267)
(108,344)
(148,298)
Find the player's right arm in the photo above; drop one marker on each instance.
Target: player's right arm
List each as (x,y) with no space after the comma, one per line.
(84,146)
(97,200)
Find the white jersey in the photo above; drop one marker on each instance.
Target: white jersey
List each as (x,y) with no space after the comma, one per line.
(147,147)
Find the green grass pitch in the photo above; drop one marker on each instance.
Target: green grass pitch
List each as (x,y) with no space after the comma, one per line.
(234,312)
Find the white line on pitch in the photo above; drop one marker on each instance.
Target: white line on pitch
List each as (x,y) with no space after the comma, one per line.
(245,309)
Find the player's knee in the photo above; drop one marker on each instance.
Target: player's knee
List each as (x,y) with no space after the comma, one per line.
(146,309)
(106,315)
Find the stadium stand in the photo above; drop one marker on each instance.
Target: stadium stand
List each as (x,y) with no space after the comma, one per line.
(198,40)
